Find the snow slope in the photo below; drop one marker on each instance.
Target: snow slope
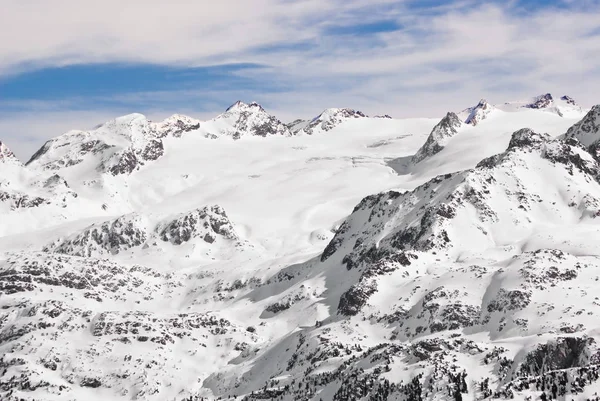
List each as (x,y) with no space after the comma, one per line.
(240,257)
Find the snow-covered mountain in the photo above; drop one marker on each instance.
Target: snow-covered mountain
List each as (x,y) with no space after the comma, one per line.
(241,119)
(329,119)
(120,146)
(587,131)
(439,136)
(562,106)
(359,258)
(479,112)
(6,155)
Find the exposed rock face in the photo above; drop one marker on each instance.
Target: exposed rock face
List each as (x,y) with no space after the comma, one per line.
(108,238)
(587,131)
(541,102)
(479,112)
(330,119)
(559,354)
(97,279)
(207,223)
(134,231)
(383,116)
(176,125)
(297,125)
(439,136)
(242,119)
(21,200)
(569,100)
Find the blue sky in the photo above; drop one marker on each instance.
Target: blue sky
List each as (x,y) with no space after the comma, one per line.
(73,65)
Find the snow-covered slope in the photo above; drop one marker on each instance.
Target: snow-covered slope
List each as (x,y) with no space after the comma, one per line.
(469,273)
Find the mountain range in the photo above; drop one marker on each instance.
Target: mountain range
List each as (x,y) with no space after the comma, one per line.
(343,257)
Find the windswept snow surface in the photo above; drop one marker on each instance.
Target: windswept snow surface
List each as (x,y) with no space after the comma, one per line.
(241,257)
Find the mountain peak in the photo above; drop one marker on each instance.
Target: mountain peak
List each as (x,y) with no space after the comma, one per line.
(439,136)
(6,155)
(479,112)
(241,119)
(541,102)
(568,100)
(344,111)
(176,125)
(241,106)
(331,118)
(587,131)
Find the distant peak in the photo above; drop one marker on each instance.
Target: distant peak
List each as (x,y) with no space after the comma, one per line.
(439,136)
(342,112)
(587,130)
(6,154)
(569,100)
(331,118)
(526,137)
(479,112)
(541,102)
(451,116)
(239,105)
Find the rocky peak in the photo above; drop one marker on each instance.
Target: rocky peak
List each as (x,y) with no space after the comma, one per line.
(441,133)
(383,116)
(121,145)
(587,131)
(241,119)
(107,238)
(526,137)
(331,118)
(207,223)
(569,100)
(176,125)
(240,106)
(479,112)
(6,155)
(541,102)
